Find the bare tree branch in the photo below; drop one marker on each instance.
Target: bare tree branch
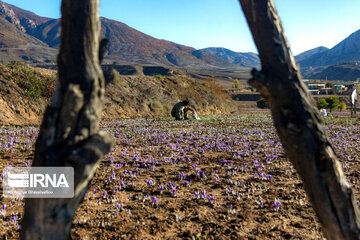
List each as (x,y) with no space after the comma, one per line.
(69,134)
(299,124)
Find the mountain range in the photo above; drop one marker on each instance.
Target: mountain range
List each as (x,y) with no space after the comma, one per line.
(346,71)
(345,51)
(338,63)
(25,36)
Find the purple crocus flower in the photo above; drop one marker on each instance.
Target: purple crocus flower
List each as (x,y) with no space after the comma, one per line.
(238,196)
(276,205)
(269,176)
(203,194)
(14,219)
(181,176)
(231,209)
(211,199)
(196,195)
(174,192)
(186,183)
(154,201)
(223,162)
(170,185)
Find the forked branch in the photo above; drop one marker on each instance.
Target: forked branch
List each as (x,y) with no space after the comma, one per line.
(299,125)
(70,134)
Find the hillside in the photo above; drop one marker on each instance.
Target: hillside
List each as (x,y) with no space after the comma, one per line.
(237,58)
(22,19)
(131,46)
(126,45)
(346,50)
(25,92)
(347,71)
(10,36)
(16,45)
(28,37)
(48,32)
(309,53)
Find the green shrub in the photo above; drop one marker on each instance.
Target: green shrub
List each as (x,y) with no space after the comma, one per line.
(158,76)
(333,102)
(236,84)
(262,103)
(321,103)
(330,103)
(329,85)
(115,78)
(34,85)
(118,100)
(17,65)
(342,106)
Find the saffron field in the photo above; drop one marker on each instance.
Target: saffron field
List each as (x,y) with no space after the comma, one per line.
(217,178)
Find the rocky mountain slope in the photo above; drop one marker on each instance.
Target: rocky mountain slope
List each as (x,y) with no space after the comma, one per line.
(25,36)
(126,45)
(236,58)
(11,36)
(309,53)
(16,44)
(346,71)
(22,19)
(130,45)
(345,51)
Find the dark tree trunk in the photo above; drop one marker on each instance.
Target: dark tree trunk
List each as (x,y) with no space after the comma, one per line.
(299,124)
(69,134)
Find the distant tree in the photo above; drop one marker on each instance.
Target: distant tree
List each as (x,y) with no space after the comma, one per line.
(262,103)
(333,102)
(329,85)
(342,106)
(236,83)
(321,103)
(115,77)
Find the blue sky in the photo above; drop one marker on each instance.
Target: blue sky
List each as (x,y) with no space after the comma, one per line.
(214,23)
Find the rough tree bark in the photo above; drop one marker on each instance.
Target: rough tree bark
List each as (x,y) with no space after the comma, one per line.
(69,134)
(299,124)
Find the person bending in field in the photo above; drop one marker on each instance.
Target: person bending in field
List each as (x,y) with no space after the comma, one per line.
(193,113)
(178,110)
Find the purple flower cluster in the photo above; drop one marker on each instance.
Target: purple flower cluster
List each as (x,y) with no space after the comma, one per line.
(165,161)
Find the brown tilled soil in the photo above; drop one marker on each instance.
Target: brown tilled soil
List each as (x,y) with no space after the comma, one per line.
(152,157)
